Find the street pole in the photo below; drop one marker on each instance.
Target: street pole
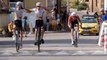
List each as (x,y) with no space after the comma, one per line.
(105,3)
(46,3)
(67,6)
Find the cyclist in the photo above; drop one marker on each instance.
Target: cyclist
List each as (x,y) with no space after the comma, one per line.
(73,21)
(19,10)
(39,14)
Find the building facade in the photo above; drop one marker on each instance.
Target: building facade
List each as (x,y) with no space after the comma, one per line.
(4,17)
(96,5)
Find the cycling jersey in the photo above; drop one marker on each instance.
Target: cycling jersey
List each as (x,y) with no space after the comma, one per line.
(72,20)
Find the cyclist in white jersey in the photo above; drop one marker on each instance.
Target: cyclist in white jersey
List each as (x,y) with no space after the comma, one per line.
(19,10)
(39,21)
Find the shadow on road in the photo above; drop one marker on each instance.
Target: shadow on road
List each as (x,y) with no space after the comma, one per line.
(56,41)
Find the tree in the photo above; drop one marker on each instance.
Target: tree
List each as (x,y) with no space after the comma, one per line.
(75,3)
(63,2)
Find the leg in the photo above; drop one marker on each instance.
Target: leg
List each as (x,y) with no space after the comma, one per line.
(42,35)
(72,36)
(21,36)
(77,29)
(35,33)
(31,29)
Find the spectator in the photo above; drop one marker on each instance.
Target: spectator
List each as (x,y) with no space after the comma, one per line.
(53,20)
(11,28)
(24,22)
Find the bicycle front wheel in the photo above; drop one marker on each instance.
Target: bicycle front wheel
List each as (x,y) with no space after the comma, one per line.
(75,39)
(39,38)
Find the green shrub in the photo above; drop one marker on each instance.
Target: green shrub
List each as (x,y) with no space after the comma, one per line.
(82,6)
(75,4)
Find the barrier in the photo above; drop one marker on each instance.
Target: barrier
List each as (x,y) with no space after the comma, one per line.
(101,34)
(105,39)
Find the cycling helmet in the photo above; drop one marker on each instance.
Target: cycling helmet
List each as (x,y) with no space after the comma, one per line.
(19,3)
(73,14)
(38,4)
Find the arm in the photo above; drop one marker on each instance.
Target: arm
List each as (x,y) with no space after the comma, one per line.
(69,24)
(79,21)
(28,10)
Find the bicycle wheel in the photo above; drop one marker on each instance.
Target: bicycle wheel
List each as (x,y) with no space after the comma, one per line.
(17,41)
(17,47)
(75,39)
(39,38)
(21,43)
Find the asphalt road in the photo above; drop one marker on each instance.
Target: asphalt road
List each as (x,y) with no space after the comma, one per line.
(56,43)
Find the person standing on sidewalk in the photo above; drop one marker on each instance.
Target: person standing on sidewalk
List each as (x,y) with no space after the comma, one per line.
(40,17)
(24,23)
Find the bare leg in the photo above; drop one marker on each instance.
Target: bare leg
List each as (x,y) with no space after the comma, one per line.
(21,36)
(42,34)
(72,36)
(35,34)
(31,29)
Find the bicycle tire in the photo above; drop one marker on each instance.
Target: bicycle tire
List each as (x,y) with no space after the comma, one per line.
(76,39)
(17,43)
(39,38)
(17,47)
(21,44)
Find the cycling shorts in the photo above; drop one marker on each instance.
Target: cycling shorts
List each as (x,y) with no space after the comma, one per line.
(38,23)
(18,24)
(73,23)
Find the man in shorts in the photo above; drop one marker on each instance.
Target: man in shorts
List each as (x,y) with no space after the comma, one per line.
(18,14)
(39,21)
(73,21)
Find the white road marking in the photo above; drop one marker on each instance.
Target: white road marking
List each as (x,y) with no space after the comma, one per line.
(43,53)
(62,53)
(80,53)
(52,53)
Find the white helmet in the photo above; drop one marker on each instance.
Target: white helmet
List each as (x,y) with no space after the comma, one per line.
(73,14)
(19,3)
(38,4)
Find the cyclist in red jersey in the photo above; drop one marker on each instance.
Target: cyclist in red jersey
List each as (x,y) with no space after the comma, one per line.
(73,21)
